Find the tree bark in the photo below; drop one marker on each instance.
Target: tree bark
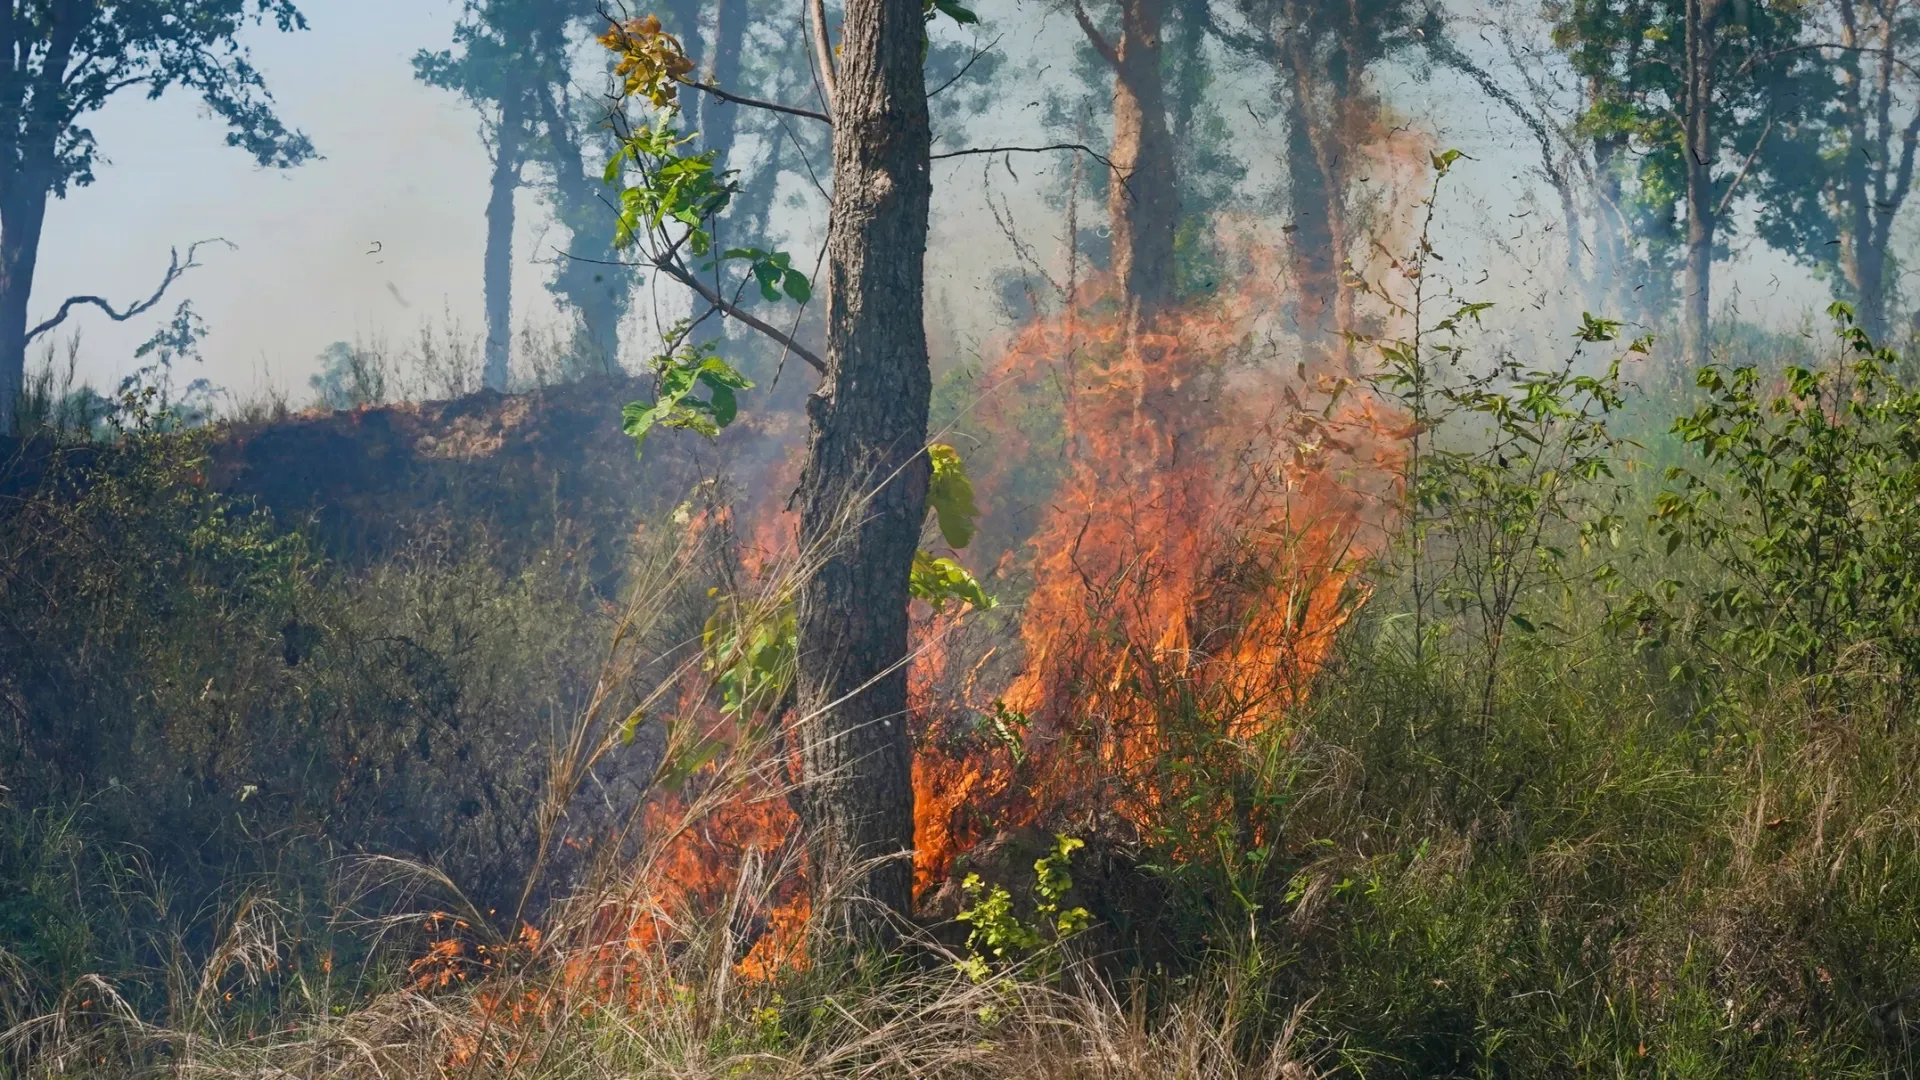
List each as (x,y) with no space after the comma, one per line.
(498,261)
(23,214)
(1701,153)
(863,496)
(1142,206)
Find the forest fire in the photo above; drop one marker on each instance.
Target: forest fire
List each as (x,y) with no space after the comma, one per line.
(1192,570)
(1190,575)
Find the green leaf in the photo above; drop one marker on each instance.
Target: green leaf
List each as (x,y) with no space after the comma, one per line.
(950,496)
(938,580)
(631,726)
(768,275)
(676,377)
(797,286)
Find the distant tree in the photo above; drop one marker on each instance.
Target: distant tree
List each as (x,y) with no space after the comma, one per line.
(573,147)
(63,60)
(1143,204)
(1323,56)
(501,62)
(1702,92)
(1839,178)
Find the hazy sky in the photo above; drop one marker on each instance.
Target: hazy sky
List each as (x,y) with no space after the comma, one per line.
(403,165)
(404,168)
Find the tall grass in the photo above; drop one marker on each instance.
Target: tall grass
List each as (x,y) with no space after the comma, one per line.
(1596,851)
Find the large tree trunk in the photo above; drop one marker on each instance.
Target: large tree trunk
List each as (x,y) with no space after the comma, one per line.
(1143,206)
(863,497)
(1310,190)
(498,261)
(23,213)
(1701,151)
(1317,118)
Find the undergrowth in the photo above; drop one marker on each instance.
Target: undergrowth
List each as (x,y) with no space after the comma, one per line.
(1557,805)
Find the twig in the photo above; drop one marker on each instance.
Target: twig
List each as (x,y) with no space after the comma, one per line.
(770,106)
(675,271)
(964,68)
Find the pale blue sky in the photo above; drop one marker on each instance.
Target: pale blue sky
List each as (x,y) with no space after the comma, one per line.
(403,165)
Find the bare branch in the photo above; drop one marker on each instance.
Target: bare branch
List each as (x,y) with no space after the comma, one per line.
(823,50)
(679,273)
(770,106)
(175,270)
(964,68)
(1727,198)
(1098,40)
(1081,147)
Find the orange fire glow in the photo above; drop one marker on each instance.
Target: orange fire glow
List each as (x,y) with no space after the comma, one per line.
(1194,565)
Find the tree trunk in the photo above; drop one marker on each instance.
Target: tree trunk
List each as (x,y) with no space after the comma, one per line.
(1612,259)
(1143,206)
(498,261)
(1318,112)
(718,121)
(863,497)
(23,212)
(1878,171)
(1701,152)
(1316,279)
(588,278)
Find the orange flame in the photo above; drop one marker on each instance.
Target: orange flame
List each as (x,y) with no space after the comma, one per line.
(1194,566)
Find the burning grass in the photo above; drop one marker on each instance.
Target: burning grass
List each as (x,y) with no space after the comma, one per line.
(1364,865)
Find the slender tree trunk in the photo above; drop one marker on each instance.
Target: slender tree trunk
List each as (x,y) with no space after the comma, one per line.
(1701,152)
(863,497)
(588,278)
(1143,207)
(719,119)
(23,213)
(1611,231)
(498,261)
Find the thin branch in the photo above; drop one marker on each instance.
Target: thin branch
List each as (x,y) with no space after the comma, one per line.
(964,68)
(823,50)
(1081,147)
(806,160)
(1774,54)
(1098,40)
(175,270)
(770,106)
(1727,198)
(675,271)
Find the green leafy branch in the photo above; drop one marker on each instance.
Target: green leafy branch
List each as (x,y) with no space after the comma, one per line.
(667,204)
(1809,503)
(997,929)
(677,375)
